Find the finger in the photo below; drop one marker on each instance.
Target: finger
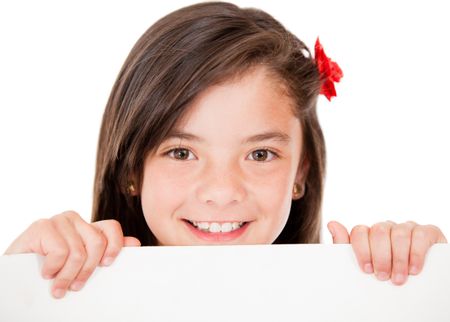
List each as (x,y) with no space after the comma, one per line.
(75,260)
(53,246)
(359,238)
(422,238)
(401,244)
(339,233)
(129,241)
(380,248)
(439,235)
(113,232)
(95,243)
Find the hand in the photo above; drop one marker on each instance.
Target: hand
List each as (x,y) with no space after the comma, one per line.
(72,248)
(389,249)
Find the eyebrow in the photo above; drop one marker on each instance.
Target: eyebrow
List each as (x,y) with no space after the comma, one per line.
(271,135)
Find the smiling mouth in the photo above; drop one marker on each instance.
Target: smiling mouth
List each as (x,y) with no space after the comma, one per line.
(216,227)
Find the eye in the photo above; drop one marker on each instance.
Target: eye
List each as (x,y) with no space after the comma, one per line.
(262,155)
(179,154)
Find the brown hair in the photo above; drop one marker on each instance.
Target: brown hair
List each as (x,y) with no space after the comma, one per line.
(179,56)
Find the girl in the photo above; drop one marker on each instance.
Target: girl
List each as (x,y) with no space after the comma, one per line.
(210,136)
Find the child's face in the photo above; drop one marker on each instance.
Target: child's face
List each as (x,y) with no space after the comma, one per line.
(222,178)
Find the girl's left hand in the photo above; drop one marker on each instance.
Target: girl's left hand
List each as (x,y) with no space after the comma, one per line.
(389,249)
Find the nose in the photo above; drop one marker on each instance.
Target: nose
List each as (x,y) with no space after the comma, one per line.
(221,186)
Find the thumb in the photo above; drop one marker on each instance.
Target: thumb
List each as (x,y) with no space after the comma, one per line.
(129,241)
(339,233)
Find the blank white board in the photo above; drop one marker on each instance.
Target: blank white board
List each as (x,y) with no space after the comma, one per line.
(230,283)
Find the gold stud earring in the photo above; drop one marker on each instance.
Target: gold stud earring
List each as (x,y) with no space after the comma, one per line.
(130,188)
(298,191)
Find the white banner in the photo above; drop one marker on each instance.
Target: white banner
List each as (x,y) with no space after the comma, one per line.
(229,283)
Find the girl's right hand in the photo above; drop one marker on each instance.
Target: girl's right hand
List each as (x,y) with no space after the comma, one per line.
(72,248)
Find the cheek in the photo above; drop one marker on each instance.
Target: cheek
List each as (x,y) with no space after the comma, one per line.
(272,197)
(273,189)
(162,192)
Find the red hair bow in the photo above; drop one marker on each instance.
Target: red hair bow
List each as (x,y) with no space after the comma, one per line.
(329,71)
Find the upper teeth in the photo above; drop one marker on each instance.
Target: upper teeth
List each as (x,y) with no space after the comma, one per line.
(215,227)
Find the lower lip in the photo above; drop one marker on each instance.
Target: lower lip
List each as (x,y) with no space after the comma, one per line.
(217,237)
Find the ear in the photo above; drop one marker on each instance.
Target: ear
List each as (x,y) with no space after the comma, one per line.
(302,174)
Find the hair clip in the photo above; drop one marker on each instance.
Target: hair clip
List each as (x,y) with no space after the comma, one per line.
(329,70)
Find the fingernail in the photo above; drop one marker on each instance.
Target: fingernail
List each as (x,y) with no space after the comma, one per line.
(48,276)
(107,261)
(414,270)
(382,276)
(368,268)
(76,286)
(399,278)
(59,293)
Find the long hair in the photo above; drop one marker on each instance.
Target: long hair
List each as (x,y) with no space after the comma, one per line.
(178,57)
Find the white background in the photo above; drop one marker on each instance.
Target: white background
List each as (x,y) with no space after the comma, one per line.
(386,132)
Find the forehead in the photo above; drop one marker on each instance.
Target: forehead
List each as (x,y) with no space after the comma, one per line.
(253,102)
